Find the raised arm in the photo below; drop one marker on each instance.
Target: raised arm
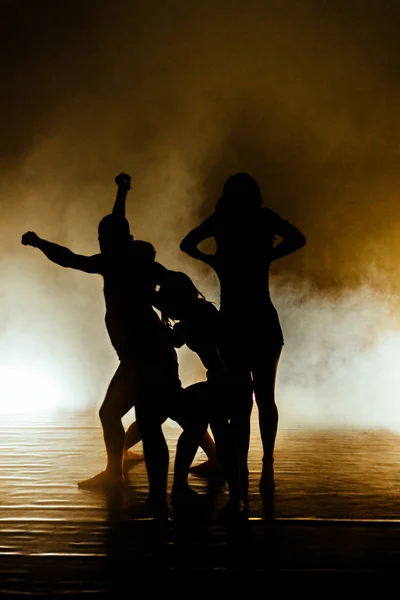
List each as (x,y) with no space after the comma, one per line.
(292,239)
(123,182)
(63,256)
(190,243)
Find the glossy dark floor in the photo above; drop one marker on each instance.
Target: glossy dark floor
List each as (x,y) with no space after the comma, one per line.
(336,512)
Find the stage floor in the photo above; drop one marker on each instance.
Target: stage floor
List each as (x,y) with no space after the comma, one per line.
(335,513)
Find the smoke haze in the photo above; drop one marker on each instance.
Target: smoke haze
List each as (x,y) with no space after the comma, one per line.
(302,94)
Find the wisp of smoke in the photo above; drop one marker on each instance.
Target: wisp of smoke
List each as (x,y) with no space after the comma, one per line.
(340,361)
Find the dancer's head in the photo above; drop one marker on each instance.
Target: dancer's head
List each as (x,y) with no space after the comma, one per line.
(176,296)
(241,194)
(144,250)
(114,234)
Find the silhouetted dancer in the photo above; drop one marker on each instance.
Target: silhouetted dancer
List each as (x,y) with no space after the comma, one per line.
(148,372)
(179,296)
(211,467)
(197,325)
(245,231)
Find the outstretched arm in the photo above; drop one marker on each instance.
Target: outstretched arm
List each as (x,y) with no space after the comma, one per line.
(63,256)
(190,243)
(123,182)
(292,239)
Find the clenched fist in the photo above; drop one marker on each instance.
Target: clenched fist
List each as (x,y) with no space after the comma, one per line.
(123,181)
(30,239)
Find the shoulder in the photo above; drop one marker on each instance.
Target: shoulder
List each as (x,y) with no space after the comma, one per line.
(159,268)
(267,214)
(269,218)
(209,222)
(159,272)
(211,218)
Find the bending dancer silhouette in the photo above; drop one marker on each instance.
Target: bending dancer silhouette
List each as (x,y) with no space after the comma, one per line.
(148,372)
(252,340)
(197,326)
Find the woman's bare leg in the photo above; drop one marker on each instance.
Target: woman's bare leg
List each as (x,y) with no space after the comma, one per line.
(242,404)
(264,377)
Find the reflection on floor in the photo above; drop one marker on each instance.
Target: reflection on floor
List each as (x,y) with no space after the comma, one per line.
(335,510)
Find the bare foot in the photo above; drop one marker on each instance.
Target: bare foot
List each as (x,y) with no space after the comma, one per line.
(103,480)
(207,470)
(131,457)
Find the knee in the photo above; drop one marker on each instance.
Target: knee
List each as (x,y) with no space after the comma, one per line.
(103,413)
(265,400)
(267,410)
(106,413)
(264,394)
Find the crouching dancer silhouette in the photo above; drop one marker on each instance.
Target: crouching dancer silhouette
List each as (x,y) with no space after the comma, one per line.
(147,375)
(252,339)
(207,402)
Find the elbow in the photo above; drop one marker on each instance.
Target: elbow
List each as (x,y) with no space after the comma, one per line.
(68,260)
(302,240)
(183,246)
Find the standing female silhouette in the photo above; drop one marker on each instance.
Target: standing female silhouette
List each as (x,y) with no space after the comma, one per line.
(244,231)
